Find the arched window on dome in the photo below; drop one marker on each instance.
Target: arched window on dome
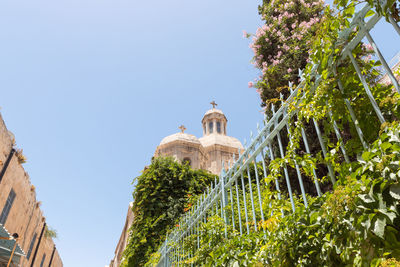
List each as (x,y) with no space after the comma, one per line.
(210,127)
(187,161)
(218,127)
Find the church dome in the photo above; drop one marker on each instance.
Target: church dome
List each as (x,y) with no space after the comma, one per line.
(214,110)
(180,137)
(214,121)
(218,139)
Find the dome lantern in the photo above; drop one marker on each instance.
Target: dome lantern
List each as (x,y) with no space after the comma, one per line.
(214,121)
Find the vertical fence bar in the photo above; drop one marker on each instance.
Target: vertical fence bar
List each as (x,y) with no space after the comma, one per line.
(303,133)
(199,203)
(395,25)
(251,198)
(258,186)
(238,206)
(232,208)
(224,199)
(245,204)
(308,151)
(204,205)
(262,155)
(303,193)
(324,152)
(206,199)
(351,111)
(289,187)
(339,137)
(366,87)
(216,202)
(380,56)
(300,179)
(271,156)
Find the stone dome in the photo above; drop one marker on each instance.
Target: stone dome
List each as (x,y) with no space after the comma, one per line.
(218,139)
(208,152)
(214,110)
(180,137)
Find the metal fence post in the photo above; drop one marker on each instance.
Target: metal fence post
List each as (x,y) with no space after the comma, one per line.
(224,199)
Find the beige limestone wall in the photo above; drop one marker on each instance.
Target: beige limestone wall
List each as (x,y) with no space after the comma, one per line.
(57,262)
(218,154)
(46,248)
(25,216)
(181,150)
(116,261)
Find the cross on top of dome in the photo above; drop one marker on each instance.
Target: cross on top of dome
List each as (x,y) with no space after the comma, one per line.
(183,128)
(214,104)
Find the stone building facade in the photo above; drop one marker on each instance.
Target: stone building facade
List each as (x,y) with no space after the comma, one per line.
(123,239)
(210,152)
(20,211)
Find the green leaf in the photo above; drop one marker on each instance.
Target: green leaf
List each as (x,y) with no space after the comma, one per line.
(379,228)
(395,191)
(369,13)
(366,198)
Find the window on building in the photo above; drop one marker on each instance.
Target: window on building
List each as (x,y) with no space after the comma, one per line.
(7,207)
(187,161)
(218,127)
(210,127)
(31,246)
(43,258)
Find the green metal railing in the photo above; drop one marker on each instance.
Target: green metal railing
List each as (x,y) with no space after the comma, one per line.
(232,185)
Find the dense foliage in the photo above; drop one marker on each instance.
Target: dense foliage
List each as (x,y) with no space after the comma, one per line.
(281,46)
(162,193)
(355,225)
(357,222)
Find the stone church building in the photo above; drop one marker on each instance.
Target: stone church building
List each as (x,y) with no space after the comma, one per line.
(207,152)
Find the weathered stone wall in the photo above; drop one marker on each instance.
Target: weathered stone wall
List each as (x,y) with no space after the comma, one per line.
(181,150)
(116,261)
(25,216)
(218,154)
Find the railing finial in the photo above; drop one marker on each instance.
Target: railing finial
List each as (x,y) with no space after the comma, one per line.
(291,87)
(301,74)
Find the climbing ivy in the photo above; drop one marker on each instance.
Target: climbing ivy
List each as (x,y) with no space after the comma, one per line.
(162,194)
(354,223)
(357,224)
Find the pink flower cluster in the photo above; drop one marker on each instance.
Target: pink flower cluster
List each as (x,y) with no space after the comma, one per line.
(281,33)
(368,47)
(307,25)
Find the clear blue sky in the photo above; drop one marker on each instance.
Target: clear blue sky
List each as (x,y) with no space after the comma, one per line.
(90,87)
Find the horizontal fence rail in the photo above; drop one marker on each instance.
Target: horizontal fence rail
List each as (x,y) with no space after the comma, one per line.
(239,202)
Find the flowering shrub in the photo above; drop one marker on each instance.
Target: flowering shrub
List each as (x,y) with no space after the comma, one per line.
(282,44)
